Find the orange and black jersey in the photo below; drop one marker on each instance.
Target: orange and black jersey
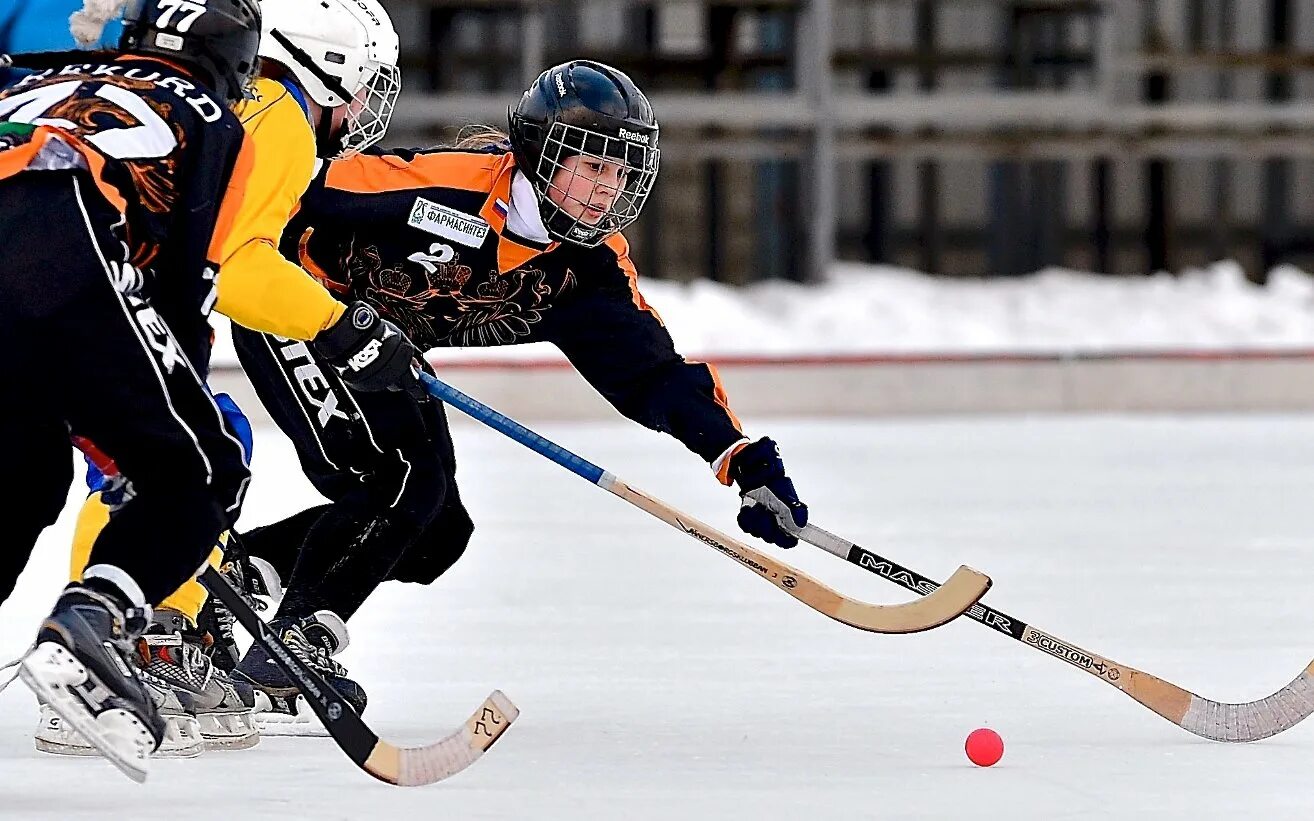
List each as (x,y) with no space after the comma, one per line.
(205,196)
(423,236)
(160,148)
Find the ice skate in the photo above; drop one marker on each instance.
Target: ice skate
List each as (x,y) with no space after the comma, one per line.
(80,669)
(176,655)
(280,708)
(259,585)
(182,733)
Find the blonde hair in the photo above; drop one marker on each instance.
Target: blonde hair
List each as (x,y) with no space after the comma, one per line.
(475,137)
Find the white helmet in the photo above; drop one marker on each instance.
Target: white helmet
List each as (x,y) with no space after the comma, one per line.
(342,52)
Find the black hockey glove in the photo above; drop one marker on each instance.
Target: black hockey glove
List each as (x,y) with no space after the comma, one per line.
(770,509)
(369,352)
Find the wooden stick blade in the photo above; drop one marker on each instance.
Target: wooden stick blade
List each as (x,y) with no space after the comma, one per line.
(1214,720)
(963,589)
(417,766)
(954,598)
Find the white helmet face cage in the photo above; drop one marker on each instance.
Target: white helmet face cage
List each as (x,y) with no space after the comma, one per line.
(639,163)
(343,54)
(370,111)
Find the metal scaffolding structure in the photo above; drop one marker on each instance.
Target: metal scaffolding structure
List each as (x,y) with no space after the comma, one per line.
(1012,127)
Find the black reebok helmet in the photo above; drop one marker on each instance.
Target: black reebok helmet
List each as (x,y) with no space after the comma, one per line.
(218,38)
(586,109)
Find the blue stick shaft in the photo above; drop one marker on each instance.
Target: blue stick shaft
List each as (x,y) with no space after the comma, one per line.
(439,389)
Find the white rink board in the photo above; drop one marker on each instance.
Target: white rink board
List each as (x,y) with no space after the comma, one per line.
(893,386)
(658,680)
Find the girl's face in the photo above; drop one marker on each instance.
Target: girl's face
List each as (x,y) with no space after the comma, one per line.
(586,187)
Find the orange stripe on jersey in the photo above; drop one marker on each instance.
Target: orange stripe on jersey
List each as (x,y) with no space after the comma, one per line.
(232,204)
(383,173)
(621,246)
(719,393)
(723,475)
(16,160)
(97,167)
(313,268)
(510,254)
(178,67)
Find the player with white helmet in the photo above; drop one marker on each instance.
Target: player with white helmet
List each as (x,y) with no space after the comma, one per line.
(343,55)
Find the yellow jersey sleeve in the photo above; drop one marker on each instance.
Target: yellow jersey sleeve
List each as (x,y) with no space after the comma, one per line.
(257,286)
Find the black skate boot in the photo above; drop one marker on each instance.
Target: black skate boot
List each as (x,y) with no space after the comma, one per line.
(256,581)
(280,707)
(174,654)
(80,667)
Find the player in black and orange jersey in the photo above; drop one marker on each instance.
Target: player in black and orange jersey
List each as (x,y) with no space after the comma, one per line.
(328,82)
(123,180)
(513,242)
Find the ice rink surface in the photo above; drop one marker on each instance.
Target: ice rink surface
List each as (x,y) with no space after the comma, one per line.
(658,680)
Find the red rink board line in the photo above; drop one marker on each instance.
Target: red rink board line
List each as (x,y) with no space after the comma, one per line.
(812,360)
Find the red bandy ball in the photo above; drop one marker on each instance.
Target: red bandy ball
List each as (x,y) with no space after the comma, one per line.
(984,747)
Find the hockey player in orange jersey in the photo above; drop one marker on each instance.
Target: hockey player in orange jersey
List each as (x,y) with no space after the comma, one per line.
(255,286)
(500,242)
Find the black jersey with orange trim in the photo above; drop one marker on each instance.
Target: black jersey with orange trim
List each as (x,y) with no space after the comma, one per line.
(422,236)
(160,148)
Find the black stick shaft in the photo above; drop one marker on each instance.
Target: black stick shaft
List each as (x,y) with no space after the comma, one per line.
(338,717)
(923,586)
(1102,668)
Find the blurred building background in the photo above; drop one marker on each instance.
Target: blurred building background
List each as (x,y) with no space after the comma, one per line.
(959,137)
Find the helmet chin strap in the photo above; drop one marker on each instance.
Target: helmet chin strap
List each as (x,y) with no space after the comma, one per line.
(327,144)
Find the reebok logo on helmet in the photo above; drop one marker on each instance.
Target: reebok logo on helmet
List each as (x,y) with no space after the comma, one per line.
(633,136)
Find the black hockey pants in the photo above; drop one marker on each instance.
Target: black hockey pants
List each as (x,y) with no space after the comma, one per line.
(386,462)
(83,352)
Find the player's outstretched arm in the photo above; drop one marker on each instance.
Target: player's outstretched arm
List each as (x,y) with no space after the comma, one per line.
(963,590)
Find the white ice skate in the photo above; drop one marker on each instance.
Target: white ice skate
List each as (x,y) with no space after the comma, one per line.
(182,735)
(53,673)
(79,668)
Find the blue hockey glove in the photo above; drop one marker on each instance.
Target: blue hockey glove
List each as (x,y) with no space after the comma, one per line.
(770,508)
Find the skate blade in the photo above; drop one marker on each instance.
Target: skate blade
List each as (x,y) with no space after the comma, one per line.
(229,743)
(49,671)
(301,722)
(281,725)
(229,731)
(182,737)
